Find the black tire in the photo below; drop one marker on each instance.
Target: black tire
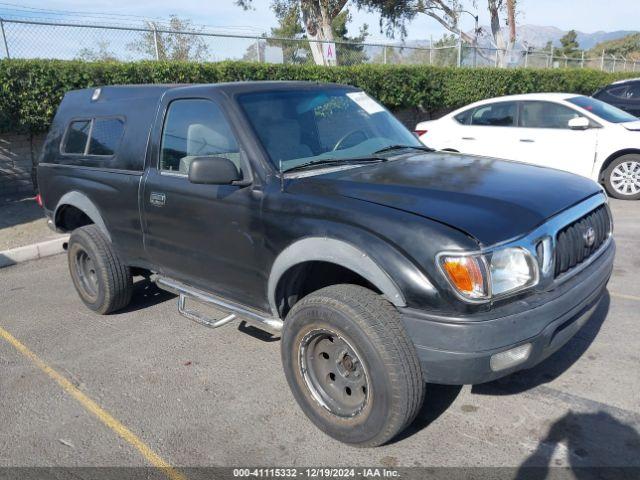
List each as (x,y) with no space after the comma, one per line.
(103,282)
(631,159)
(371,328)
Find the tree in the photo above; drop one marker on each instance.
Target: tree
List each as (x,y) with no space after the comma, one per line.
(297,50)
(570,46)
(350,50)
(317,16)
(290,26)
(320,19)
(100,54)
(176,41)
(395,14)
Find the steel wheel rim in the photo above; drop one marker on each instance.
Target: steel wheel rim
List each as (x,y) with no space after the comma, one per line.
(86,272)
(625,178)
(334,373)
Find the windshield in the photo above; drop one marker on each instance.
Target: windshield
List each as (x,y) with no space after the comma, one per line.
(603,110)
(299,127)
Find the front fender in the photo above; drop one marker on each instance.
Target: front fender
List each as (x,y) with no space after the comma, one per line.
(341,253)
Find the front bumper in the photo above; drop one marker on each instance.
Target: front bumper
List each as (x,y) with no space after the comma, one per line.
(458,350)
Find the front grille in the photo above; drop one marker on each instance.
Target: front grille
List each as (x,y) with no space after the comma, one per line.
(571,246)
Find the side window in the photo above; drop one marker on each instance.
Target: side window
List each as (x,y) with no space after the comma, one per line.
(105,136)
(77,135)
(545,115)
(633,93)
(195,128)
(464,118)
(502,114)
(618,91)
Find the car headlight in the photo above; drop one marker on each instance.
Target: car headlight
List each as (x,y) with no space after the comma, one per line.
(487,275)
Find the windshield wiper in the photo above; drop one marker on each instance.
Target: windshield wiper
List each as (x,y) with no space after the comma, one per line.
(333,162)
(400,147)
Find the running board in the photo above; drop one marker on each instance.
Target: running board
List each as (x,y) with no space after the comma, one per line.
(185,291)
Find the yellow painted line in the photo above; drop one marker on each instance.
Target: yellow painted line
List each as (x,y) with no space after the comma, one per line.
(92,407)
(626,297)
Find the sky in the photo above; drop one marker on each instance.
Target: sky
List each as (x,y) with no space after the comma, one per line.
(584,15)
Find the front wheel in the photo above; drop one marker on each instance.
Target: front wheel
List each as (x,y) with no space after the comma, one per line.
(622,177)
(350,365)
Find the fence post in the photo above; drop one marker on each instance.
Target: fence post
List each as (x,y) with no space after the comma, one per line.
(550,65)
(155,42)
(625,64)
(4,38)
(582,60)
(526,58)
(384,55)
(602,62)
(258,49)
(614,63)
(459,48)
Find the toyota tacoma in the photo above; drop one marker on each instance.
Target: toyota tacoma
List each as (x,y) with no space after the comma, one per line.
(309,210)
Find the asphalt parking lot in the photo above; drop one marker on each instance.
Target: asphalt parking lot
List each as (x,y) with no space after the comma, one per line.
(199,397)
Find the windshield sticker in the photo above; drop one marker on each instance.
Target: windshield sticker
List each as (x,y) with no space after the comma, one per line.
(365,102)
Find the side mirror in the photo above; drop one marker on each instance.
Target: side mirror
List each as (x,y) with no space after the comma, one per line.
(213,171)
(579,123)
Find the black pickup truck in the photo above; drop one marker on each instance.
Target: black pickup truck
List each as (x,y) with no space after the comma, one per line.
(308,209)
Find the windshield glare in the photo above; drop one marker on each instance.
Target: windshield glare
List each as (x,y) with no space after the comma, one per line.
(302,126)
(603,110)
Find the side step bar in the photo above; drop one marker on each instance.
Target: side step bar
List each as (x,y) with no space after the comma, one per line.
(235,310)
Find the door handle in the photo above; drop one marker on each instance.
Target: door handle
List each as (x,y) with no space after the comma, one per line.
(527,140)
(157,199)
(468,138)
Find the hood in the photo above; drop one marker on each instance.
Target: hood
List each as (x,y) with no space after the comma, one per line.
(489,199)
(633,126)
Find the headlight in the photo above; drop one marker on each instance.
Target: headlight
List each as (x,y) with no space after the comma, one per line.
(511,269)
(484,276)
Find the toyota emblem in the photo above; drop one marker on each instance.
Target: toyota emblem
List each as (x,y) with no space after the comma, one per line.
(589,237)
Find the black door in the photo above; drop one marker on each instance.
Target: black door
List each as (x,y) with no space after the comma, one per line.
(207,236)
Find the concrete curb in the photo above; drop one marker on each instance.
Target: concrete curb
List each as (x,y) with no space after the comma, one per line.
(32,252)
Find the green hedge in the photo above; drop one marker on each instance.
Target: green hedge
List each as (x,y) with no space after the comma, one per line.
(32,89)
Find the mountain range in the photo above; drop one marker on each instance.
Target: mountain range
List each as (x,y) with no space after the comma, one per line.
(537,36)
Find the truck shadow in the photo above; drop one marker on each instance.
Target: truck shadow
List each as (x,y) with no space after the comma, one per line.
(146,294)
(438,399)
(586,440)
(555,365)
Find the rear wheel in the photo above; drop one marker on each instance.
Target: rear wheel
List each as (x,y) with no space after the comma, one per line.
(103,282)
(350,365)
(622,177)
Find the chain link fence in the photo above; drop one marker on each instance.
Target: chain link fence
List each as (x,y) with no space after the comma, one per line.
(58,40)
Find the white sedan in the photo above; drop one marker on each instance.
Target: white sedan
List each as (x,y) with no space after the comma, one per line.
(569,132)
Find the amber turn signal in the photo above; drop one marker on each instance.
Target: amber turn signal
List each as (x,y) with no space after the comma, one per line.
(465,275)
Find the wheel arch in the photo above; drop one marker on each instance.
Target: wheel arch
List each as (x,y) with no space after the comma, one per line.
(338,253)
(612,157)
(85,212)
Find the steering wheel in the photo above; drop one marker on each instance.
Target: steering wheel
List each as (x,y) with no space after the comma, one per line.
(339,143)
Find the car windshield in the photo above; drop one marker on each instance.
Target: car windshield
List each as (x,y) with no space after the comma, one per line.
(305,126)
(603,110)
